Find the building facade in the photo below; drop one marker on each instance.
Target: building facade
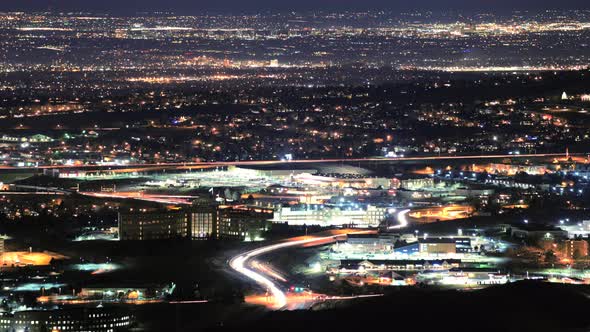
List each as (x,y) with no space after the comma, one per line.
(369,216)
(199,222)
(437,246)
(575,249)
(73,319)
(152,225)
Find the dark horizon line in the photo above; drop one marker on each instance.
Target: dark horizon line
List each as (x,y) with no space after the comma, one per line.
(438,11)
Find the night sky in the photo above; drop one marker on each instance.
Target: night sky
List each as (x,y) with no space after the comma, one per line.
(125,6)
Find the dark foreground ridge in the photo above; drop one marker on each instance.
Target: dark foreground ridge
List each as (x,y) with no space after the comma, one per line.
(521,306)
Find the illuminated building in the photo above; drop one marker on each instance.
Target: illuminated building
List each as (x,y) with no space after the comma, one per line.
(228,222)
(369,216)
(74,319)
(466,276)
(434,246)
(575,231)
(416,183)
(512,169)
(28,258)
(575,248)
(157,225)
(38,138)
(437,213)
(144,292)
(324,180)
(537,231)
(243,223)
(199,222)
(437,246)
(203,221)
(369,239)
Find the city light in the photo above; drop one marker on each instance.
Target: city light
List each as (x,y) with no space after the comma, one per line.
(190,167)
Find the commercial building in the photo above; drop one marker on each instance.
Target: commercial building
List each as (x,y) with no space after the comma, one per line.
(204,222)
(472,276)
(575,248)
(323,215)
(416,183)
(370,242)
(153,225)
(578,230)
(243,223)
(37,138)
(126,293)
(536,231)
(199,222)
(463,245)
(228,222)
(436,246)
(342,181)
(73,319)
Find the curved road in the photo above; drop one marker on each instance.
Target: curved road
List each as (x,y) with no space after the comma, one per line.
(238,263)
(401,217)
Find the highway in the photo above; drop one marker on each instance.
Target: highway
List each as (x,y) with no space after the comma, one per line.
(283,162)
(402,219)
(240,264)
(264,277)
(164,199)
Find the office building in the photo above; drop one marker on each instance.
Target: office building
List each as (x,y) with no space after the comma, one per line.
(575,249)
(445,245)
(204,221)
(72,319)
(358,216)
(199,222)
(153,225)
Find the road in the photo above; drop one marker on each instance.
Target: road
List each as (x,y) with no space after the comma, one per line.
(401,217)
(283,162)
(158,198)
(240,264)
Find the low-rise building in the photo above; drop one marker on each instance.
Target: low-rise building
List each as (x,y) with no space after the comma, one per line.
(416,183)
(72,319)
(322,215)
(536,231)
(199,222)
(575,249)
(153,225)
(446,245)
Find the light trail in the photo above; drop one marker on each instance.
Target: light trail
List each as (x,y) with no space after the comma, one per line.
(353,297)
(268,271)
(277,162)
(164,199)
(32,193)
(188,302)
(402,218)
(238,263)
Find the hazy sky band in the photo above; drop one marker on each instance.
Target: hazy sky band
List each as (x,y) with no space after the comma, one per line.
(116,6)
